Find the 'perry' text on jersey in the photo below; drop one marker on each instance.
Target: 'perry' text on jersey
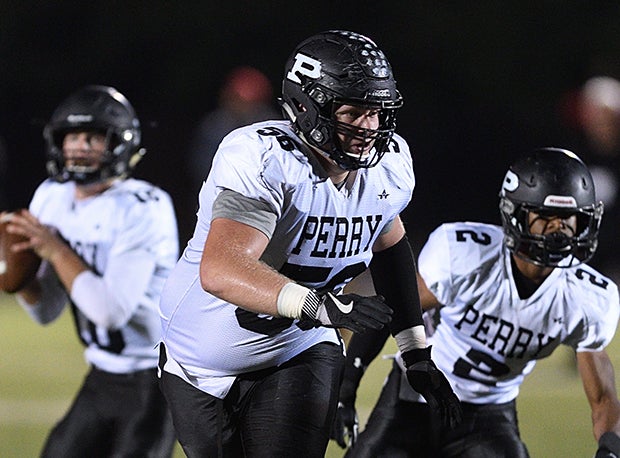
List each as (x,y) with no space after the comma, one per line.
(340,237)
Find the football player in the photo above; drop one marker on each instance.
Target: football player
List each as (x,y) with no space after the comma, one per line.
(291,211)
(503,298)
(107,242)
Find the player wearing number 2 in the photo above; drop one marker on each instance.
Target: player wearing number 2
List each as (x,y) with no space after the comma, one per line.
(503,300)
(290,212)
(107,243)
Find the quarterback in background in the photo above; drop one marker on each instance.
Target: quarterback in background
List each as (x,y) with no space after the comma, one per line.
(291,211)
(503,299)
(107,243)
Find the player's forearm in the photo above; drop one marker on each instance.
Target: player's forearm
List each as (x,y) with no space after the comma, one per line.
(606,417)
(394,275)
(364,348)
(598,378)
(247,283)
(67,264)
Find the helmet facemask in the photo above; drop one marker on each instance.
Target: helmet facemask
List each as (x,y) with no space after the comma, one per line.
(334,148)
(555,249)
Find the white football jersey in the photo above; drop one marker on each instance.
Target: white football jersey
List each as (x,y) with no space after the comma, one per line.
(489,338)
(322,238)
(128,236)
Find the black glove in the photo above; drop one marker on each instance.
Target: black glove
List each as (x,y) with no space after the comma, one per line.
(350,311)
(608,446)
(345,428)
(426,379)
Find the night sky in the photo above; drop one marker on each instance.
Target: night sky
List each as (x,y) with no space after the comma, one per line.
(482,81)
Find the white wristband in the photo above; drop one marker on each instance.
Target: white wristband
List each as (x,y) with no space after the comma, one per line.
(411,338)
(291,300)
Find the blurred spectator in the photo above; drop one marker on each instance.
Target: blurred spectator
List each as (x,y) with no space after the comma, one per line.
(596,115)
(245,97)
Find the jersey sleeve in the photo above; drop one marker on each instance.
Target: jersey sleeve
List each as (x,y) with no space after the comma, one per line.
(39,198)
(454,258)
(434,265)
(145,236)
(53,296)
(601,311)
(148,235)
(399,175)
(252,165)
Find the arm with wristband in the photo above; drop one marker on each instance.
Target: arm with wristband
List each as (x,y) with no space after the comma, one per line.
(393,272)
(253,285)
(351,311)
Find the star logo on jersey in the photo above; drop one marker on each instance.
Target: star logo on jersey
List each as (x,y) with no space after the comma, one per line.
(383,195)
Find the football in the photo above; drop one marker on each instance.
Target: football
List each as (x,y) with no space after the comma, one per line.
(16,269)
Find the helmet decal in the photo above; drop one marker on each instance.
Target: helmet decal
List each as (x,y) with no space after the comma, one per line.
(511,182)
(560,202)
(305,65)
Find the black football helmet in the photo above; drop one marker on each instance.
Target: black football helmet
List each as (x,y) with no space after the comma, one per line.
(337,68)
(550,182)
(94,108)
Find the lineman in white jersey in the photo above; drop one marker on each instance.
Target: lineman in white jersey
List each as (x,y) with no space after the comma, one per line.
(107,243)
(505,298)
(290,212)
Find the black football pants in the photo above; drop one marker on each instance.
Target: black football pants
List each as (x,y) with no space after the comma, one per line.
(114,415)
(281,412)
(402,429)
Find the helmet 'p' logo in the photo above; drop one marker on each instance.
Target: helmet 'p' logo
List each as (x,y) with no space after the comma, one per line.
(305,65)
(511,182)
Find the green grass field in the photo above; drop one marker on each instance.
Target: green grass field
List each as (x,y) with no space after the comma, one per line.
(42,367)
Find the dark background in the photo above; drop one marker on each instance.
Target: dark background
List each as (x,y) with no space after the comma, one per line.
(482,80)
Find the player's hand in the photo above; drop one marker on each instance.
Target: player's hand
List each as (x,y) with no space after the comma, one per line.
(345,428)
(346,425)
(608,446)
(350,311)
(43,240)
(426,379)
